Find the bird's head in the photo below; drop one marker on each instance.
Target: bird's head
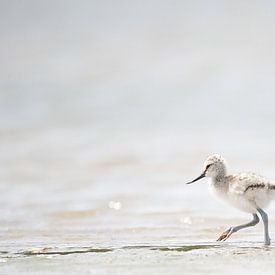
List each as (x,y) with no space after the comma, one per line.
(213,167)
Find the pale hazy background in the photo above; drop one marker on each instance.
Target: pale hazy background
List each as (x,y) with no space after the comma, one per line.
(108,107)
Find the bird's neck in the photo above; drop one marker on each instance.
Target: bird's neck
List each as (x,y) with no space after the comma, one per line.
(220,180)
(220,177)
(219,185)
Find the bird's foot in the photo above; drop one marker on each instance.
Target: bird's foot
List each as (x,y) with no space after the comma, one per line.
(267,241)
(226,234)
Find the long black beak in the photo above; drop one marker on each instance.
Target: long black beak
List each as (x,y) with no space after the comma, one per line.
(198,178)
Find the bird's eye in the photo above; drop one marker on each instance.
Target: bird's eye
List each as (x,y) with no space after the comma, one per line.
(207,166)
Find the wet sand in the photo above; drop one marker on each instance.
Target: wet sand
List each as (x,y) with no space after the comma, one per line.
(195,258)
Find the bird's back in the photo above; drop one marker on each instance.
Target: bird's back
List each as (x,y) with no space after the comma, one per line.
(246,190)
(245,182)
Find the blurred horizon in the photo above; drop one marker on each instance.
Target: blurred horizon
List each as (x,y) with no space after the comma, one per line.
(149,65)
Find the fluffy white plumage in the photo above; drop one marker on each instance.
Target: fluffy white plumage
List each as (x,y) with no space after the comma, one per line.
(247,192)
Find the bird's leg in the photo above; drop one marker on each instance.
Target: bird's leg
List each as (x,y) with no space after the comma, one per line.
(265,221)
(226,234)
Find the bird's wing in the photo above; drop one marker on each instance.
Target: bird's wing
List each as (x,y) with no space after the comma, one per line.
(241,183)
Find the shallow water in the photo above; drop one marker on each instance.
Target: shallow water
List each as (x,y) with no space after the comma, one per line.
(77,206)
